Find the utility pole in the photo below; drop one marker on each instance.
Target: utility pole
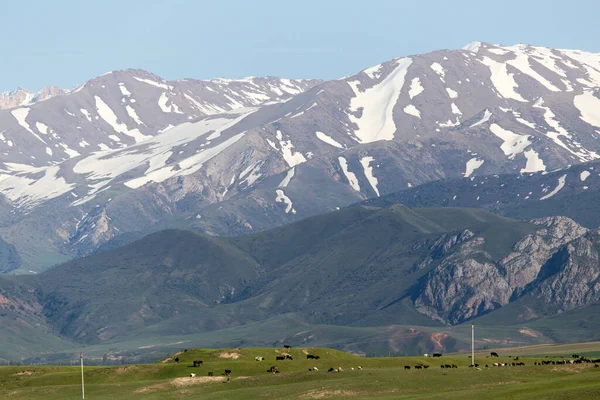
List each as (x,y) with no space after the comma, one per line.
(82,382)
(472,344)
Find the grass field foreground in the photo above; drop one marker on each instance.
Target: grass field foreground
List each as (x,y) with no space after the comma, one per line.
(377,378)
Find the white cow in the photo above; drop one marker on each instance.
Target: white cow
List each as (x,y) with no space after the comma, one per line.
(192,375)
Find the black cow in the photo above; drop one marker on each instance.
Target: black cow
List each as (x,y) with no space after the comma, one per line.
(425,366)
(176,359)
(287,346)
(197,363)
(451,366)
(494,354)
(407,367)
(227,372)
(280,358)
(418,367)
(436,355)
(331,369)
(210,373)
(310,356)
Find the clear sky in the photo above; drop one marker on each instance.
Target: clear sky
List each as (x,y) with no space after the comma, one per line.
(67,42)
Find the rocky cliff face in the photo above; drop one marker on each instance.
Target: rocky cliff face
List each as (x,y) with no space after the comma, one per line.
(466,281)
(571,278)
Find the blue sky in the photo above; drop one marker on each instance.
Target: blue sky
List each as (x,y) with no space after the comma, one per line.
(66,42)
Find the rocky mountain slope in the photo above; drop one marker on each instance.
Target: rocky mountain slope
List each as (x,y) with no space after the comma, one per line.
(358,267)
(129,153)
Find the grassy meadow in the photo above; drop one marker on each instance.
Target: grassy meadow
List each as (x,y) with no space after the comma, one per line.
(378,378)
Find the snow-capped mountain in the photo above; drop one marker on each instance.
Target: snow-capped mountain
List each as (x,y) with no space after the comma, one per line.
(21,97)
(129,153)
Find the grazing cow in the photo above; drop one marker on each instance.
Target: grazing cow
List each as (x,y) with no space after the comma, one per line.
(452,366)
(425,355)
(494,354)
(517,358)
(287,357)
(315,368)
(210,373)
(192,375)
(227,372)
(176,359)
(331,369)
(407,367)
(259,358)
(340,369)
(437,354)
(425,366)
(279,358)
(496,365)
(287,346)
(595,365)
(487,366)
(359,367)
(197,363)
(311,357)
(442,366)
(273,369)
(418,367)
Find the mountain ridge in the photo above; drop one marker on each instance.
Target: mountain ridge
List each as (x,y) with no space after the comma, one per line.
(248,160)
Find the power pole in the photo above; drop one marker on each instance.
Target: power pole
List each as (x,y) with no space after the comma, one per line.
(472,344)
(82,382)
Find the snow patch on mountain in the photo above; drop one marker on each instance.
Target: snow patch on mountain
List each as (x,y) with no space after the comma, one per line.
(412,110)
(513,143)
(108,115)
(561,184)
(368,170)
(534,162)
(377,104)
(282,198)
(452,93)
(288,177)
(329,140)
(503,81)
(163,103)
(521,62)
(415,88)
(20,114)
(33,186)
(472,165)
(350,176)
(438,69)
(589,107)
(154,83)
(291,157)
(584,175)
(486,117)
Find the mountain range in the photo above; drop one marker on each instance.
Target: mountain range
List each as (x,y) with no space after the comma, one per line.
(359,271)
(129,153)
(387,209)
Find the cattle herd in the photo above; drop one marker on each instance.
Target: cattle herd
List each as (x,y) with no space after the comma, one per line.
(575,359)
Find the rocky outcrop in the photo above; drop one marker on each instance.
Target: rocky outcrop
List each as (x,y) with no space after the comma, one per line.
(465,281)
(571,278)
